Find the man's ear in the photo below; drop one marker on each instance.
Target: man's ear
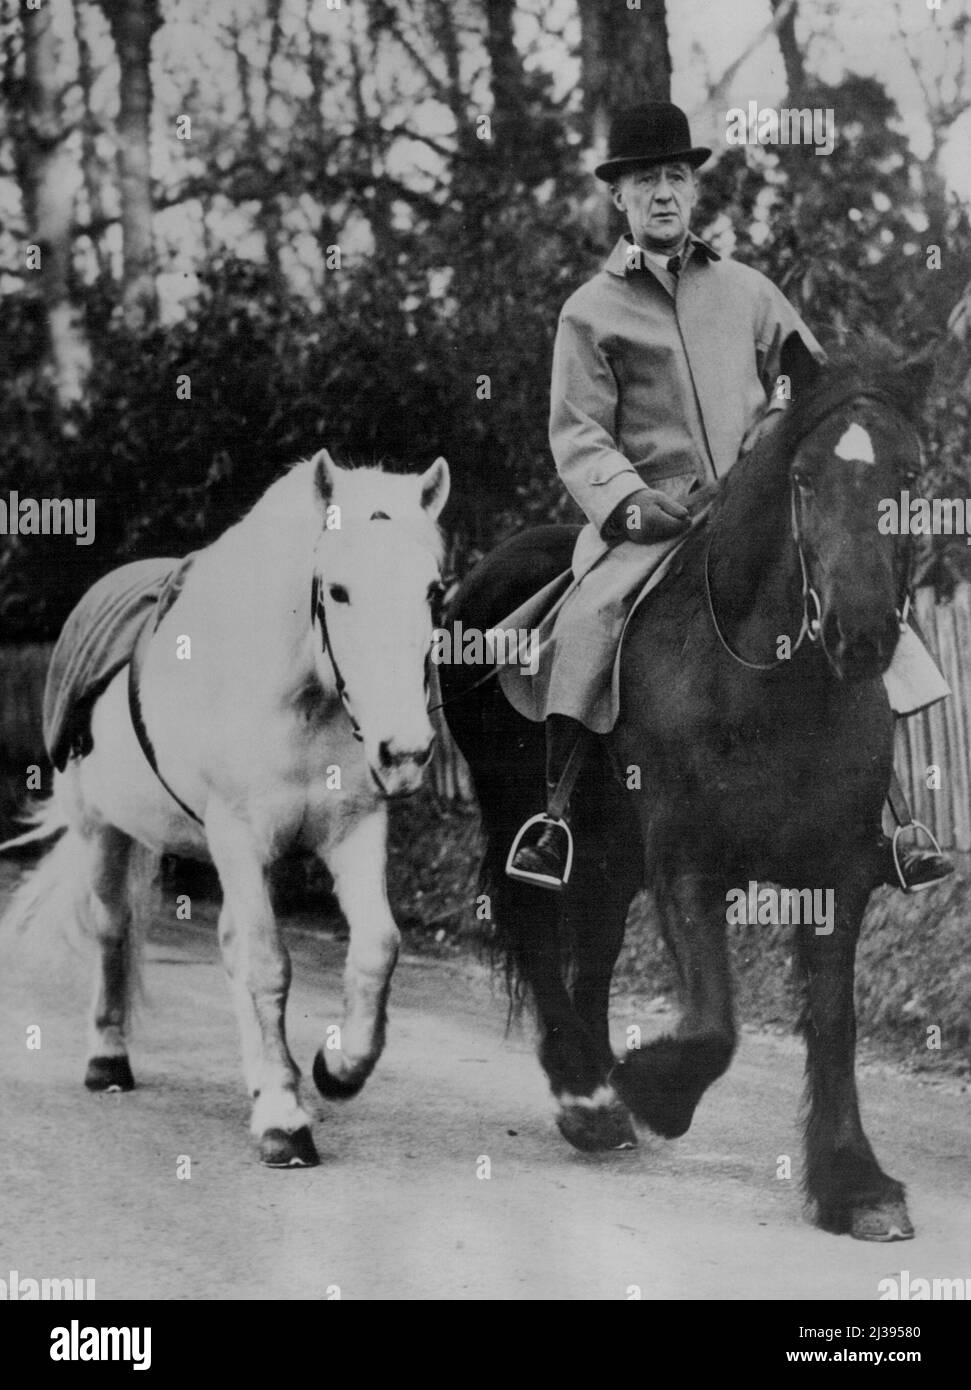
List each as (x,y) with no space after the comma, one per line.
(435,483)
(324,470)
(798,364)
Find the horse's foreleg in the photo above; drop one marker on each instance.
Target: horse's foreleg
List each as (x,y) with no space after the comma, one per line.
(357,863)
(109,918)
(663,1081)
(598,900)
(251,1038)
(843,1178)
(572,1052)
(260,965)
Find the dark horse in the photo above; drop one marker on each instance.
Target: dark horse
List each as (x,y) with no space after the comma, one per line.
(776,771)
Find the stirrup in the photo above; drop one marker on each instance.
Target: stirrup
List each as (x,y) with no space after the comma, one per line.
(913,887)
(539,880)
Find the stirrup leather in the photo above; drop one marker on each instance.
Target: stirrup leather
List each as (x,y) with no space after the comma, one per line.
(914,825)
(540,880)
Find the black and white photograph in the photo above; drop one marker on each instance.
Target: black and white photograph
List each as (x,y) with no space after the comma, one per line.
(485,663)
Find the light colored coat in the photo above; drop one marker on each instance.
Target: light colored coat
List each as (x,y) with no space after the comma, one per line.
(661,389)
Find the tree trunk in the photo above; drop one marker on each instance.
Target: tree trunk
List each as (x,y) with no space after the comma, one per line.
(508,107)
(624,60)
(91,168)
(133,22)
(791,52)
(49,182)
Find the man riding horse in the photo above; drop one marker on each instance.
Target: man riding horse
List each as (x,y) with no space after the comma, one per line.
(665,371)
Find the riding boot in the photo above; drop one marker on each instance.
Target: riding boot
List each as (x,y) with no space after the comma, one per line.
(908,867)
(542,849)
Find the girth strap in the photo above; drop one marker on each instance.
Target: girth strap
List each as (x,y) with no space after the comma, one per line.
(166,599)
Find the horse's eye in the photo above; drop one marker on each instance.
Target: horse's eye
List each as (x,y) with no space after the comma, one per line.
(339,594)
(436,592)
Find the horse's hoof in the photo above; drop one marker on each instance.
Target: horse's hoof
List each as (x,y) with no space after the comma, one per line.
(661,1084)
(109,1074)
(595,1128)
(278,1149)
(668,1116)
(886,1222)
(332,1087)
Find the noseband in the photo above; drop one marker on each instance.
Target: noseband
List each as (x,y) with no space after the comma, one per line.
(810,626)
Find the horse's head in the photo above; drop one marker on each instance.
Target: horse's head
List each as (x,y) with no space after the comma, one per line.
(852,444)
(376,579)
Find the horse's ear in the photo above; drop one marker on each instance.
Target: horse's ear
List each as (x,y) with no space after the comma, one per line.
(324,469)
(435,483)
(798,364)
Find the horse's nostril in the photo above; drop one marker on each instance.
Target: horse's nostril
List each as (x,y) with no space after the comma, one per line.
(385,755)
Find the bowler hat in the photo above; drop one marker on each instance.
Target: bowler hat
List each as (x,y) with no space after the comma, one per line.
(649,134)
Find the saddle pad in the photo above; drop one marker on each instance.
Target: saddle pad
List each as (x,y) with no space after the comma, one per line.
(95,643)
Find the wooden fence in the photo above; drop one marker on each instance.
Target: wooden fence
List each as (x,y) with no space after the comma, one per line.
(933,759)
(933,748)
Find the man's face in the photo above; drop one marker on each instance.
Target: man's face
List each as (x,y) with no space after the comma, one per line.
(658,202)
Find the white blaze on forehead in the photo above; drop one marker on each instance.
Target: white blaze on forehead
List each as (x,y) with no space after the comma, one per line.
(855,445)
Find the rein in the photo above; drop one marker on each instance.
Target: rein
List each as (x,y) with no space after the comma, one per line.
(809,627)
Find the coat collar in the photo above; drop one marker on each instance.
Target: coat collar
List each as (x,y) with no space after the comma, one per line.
(617,263)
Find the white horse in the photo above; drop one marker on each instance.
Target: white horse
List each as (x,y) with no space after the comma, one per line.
(285,696)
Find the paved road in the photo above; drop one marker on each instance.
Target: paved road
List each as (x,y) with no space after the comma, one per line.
(89,1186)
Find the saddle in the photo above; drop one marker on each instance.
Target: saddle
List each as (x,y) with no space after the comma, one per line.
(649,566)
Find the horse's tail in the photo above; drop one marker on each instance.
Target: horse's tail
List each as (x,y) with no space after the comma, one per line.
(57,896)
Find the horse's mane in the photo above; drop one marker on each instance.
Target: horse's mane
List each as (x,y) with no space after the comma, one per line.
(863,363)
(751,497)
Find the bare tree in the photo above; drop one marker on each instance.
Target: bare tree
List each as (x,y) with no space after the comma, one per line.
(47,178)
(508,81)
(90,165)
(784,14)
(133,22)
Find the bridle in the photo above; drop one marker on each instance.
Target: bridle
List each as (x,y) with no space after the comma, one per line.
(809,627)
(318,615)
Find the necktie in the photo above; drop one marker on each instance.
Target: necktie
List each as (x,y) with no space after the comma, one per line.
(674,266)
